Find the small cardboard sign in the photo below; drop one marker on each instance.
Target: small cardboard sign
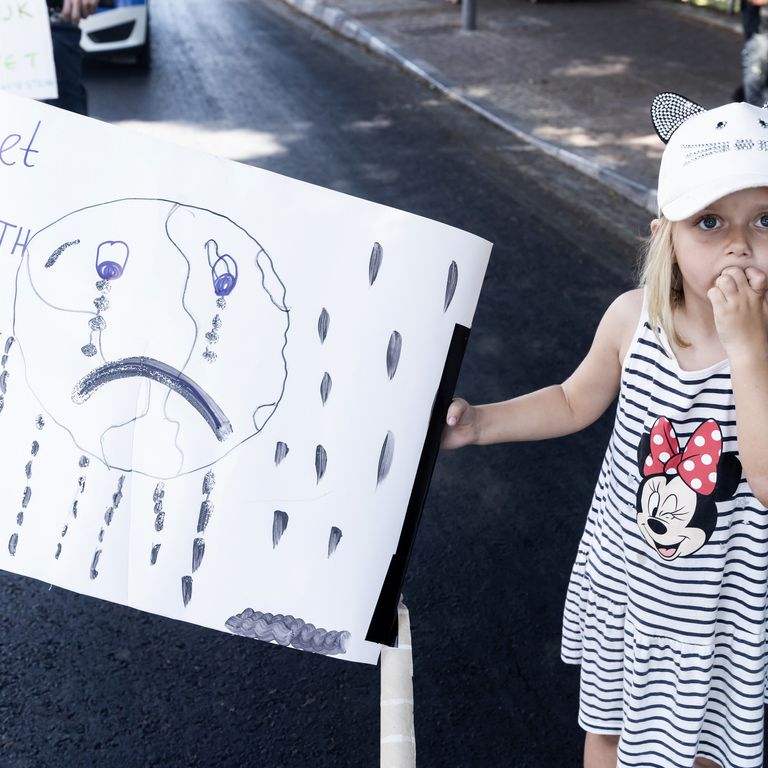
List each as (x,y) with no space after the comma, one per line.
(26,50)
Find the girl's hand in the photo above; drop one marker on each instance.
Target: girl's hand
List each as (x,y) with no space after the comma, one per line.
(740,306)
(460,425)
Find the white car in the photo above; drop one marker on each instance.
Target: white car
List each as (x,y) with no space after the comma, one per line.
(118,26)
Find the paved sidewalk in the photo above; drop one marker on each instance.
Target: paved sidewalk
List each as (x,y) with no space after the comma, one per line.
(575,77)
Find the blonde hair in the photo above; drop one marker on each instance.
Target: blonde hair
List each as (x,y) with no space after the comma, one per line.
(663,283)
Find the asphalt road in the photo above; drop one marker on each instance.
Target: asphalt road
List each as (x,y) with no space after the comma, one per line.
(87,683)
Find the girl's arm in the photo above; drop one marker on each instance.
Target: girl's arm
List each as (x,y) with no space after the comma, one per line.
(560,409)
(740,305)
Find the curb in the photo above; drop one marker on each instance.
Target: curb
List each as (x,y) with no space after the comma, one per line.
(346,26)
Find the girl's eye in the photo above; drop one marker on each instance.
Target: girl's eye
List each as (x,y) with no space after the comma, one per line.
(708,221)
(763,220)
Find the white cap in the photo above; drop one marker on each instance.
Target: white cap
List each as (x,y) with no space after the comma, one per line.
(709,154)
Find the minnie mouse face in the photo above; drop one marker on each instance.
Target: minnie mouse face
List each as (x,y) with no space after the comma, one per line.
(666,506)
(676,501)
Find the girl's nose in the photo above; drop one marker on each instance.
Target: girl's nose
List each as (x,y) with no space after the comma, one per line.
(738,243)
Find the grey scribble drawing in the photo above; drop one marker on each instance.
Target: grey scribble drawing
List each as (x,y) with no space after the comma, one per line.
(154,553)
(374,263)
(130,379)
(39,422)
(450,286)
(281,451)
(198,544)
(26,496)
(322,324)
(164,374)
(198,550)
(325,387)
(288,631)
(117,497)
(393,353)
(333,540)
(385,457)
(73,510)
(321,462)
(55,255)
(279,524)
(186,589)
(4,372)
(157,498)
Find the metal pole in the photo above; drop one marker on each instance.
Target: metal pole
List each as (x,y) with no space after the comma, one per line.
(468,21)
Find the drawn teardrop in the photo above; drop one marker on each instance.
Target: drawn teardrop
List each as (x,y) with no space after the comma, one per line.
(393,353)
(186,589)
(450,287)
(333,540)
(279,524)
(377,255)
(321,462)
(325,387)
(322,324)
(385,457)
(281,451)
(198,550)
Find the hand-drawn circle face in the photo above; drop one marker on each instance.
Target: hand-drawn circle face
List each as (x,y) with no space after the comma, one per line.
(154,332)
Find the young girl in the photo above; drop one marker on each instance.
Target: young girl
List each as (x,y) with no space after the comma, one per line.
(666,608)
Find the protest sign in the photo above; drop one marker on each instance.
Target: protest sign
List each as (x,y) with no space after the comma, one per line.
(26,52)
(216,382)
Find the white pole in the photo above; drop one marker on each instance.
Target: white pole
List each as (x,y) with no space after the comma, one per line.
(398,738)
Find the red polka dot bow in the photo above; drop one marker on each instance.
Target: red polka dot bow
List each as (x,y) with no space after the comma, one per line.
(697,464)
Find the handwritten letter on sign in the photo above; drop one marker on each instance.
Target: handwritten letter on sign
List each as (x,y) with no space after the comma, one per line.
(26,52)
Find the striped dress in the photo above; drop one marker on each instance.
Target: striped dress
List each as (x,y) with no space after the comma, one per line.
(666,607)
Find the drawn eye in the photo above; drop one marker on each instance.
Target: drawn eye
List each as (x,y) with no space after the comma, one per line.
(111,258)
(653,503)
(223,270)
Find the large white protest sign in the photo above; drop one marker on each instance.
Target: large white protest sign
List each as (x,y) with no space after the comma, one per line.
(26,52)
(215,382)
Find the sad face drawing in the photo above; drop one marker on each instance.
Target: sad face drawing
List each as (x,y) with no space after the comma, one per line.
(166,326)
(676,500)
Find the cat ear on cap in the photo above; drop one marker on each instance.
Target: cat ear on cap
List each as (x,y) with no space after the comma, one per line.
(669,111)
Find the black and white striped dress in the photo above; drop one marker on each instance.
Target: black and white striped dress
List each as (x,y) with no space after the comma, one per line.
(671,645)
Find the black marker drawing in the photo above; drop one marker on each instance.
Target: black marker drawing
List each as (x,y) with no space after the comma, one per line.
(279,524)
(109,515)
(333,540)
(374,263)
(145,374)
(26,496)
(198,544)
(321,462)
(287,630)
(393,353)
(322,324)
(450,286)
(385,457)
(281,451)
(325,387)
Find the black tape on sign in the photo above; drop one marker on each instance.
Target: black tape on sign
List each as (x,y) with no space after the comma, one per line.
(383,626)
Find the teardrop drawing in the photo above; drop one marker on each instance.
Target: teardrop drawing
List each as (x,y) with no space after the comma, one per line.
(279,524)
(322,324)
(450,288)
(377,254)
(325,387)
(393,353)
(385,457)
(333,540)
(321,462)
(281,451)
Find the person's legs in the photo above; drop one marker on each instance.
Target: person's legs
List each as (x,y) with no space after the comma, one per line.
(68,58)
(600,750)
(754,68)
(705,762)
